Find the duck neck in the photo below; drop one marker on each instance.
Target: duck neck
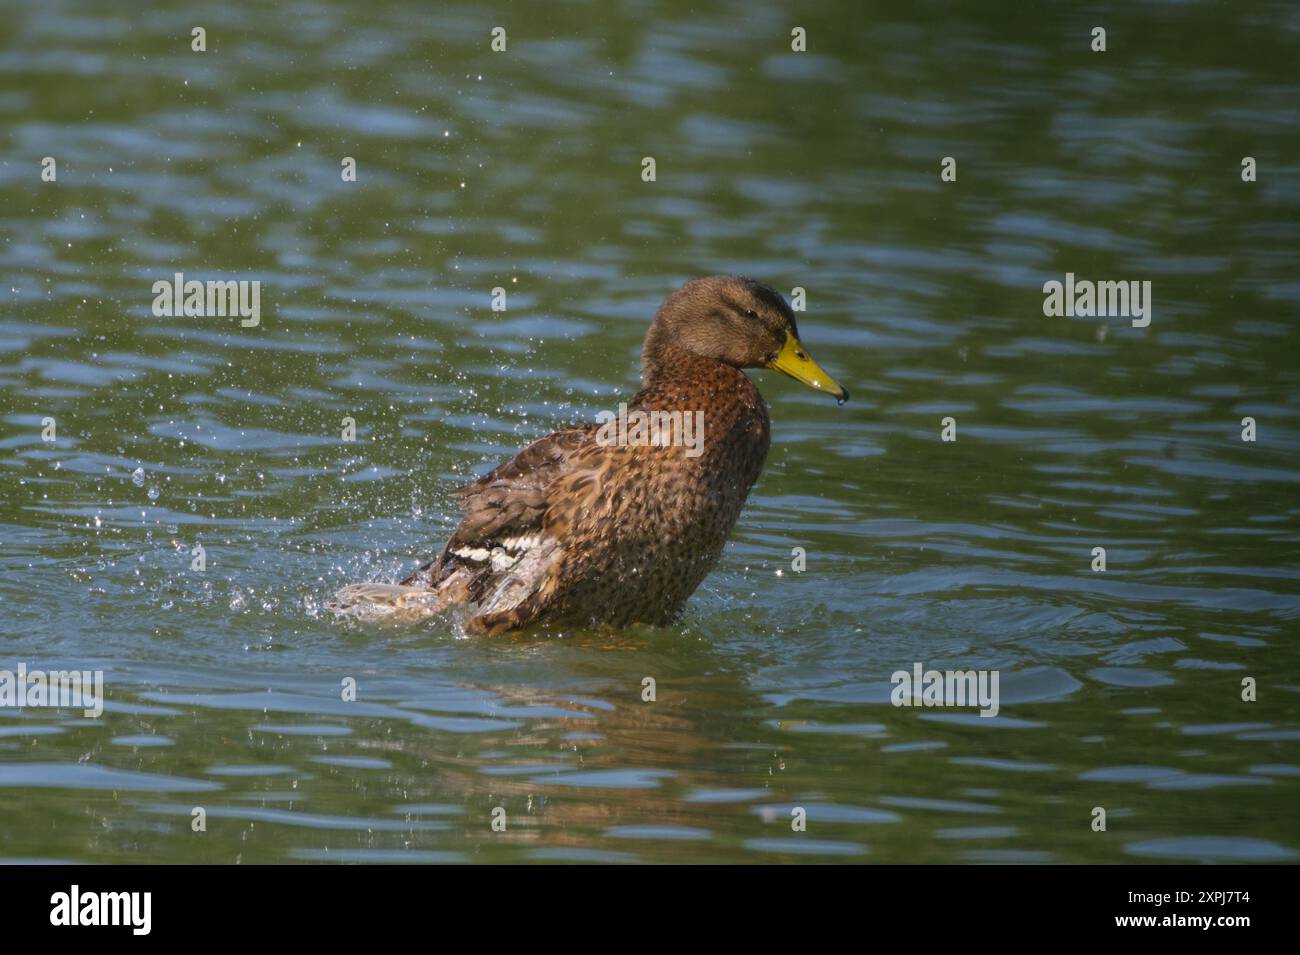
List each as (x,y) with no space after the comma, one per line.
(663,362)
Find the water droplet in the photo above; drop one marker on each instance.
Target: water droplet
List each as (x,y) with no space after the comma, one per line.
(137,477)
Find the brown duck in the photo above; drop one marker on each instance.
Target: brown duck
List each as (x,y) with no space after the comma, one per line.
(618,522)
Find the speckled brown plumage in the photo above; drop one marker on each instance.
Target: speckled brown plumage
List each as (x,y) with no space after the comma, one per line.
(574,531)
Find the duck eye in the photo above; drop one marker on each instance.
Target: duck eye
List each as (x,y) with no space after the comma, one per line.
(750,313)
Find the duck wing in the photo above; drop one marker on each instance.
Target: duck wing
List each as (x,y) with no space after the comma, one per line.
(393,602)
(502,556)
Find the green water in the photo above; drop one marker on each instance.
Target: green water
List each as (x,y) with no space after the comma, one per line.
(522,170)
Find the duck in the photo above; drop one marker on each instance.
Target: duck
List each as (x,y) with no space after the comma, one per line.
(617,522)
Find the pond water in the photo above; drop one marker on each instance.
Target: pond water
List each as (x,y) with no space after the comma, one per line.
(1120,689)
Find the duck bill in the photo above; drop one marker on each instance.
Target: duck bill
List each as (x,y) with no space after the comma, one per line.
(794,360)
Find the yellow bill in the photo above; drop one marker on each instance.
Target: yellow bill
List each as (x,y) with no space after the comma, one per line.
(794,360)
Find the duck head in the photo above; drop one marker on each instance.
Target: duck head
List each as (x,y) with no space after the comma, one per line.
(735,320)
